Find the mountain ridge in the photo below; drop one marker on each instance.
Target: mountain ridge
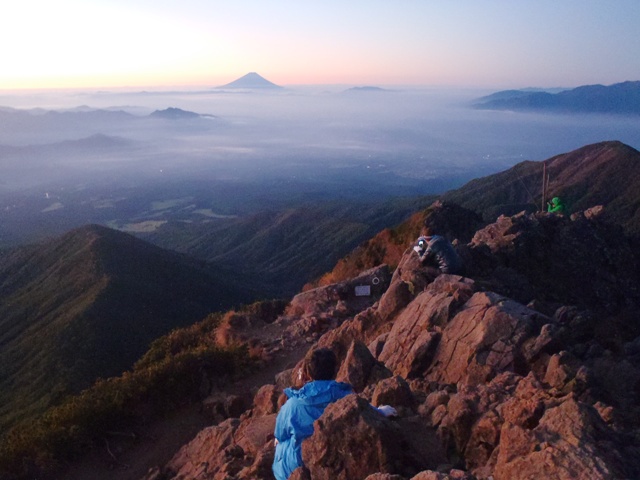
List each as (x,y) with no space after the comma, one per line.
(86,305)
(173,113)
(619,98)
(605,173)
(285,249)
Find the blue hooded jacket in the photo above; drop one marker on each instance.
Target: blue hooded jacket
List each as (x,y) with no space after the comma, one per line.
(295,421)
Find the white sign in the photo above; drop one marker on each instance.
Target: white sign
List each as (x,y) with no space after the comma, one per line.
(363,290)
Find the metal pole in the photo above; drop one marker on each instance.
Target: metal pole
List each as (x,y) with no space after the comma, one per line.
(544,185)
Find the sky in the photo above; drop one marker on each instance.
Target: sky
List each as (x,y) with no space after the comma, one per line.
(457,43)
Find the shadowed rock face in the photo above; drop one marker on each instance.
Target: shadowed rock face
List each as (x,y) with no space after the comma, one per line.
(577,261)
(485,386)
(375,444)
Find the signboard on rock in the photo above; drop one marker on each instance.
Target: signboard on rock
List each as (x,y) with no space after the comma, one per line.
(363,290)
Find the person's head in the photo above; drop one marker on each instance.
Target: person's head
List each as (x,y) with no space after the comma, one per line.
(425,236)
(321,365)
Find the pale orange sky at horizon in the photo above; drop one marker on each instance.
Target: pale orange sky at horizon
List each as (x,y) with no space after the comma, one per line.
(140,43)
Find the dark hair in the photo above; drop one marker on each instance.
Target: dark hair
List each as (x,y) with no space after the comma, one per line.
(426,231)
(322,364)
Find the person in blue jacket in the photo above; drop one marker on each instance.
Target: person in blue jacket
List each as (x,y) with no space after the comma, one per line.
(295,420)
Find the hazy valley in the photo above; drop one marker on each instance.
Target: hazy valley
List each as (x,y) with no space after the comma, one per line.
(134,160)
(253,194)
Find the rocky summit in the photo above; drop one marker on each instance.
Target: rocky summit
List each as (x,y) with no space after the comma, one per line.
(528,366)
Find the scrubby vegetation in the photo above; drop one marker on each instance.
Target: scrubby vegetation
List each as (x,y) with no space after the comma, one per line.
(86,306)
(178,368)
(388,246)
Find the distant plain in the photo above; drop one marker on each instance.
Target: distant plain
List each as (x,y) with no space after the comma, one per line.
(68,158)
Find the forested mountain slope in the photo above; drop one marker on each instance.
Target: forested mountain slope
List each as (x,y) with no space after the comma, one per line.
(606,174)
(87,305)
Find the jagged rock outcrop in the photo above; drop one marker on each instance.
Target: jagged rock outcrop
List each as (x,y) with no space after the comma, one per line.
(345,298)
(579,261)
(412,342)
(375,444)
(487,336)
(538,385)
(324,308)
(514,427)
(236,448)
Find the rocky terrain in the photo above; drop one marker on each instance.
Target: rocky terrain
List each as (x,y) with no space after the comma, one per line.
(526,367)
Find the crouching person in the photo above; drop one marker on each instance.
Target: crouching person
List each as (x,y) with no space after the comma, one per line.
(294,422)
(303,407)
(438,255)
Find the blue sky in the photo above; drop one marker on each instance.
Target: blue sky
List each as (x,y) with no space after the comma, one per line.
(462,43)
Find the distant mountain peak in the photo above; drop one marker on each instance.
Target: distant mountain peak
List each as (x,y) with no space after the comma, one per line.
(96,141)
(366,88)
(619,98)
(173,113)
(250,81)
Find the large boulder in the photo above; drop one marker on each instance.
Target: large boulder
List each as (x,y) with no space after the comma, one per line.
(344,298)
(210,451)
(352,440)
(559,438)
(583,261)
(359,368)
(393,391)
(236,448)
(486,337)
(414,337)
